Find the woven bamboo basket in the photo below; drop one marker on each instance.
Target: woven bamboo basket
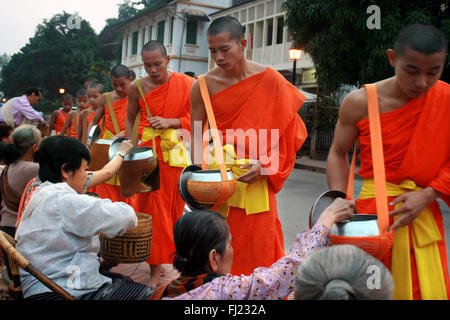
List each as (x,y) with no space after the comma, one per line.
(208,192)
(133,246)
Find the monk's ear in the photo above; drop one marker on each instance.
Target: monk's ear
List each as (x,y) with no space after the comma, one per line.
(244,43)
(391,56)
(212,261)
(168,59)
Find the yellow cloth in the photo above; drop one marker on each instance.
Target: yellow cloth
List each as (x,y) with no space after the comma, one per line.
(172,146)
(254,197)
(114,181)
(425,235)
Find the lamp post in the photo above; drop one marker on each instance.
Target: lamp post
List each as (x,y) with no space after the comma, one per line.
(295,53)
(62,91)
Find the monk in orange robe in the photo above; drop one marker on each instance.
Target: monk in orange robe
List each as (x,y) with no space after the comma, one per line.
(114,123)
(414,124)
(72,124)
(248,97)
(59,116)
(167,98)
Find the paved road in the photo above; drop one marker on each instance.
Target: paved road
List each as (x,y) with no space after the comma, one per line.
(298,195)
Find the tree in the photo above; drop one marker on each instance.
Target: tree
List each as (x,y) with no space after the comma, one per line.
(60,55)
(336,35)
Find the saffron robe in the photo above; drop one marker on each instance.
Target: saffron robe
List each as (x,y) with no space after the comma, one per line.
(60,120)
(263,101)
(111,189)
(172,101)
(416,146)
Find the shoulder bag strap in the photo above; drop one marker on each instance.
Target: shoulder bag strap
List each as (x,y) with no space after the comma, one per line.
(112,113)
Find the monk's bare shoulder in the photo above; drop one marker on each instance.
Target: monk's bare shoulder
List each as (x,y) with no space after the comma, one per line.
(354,107)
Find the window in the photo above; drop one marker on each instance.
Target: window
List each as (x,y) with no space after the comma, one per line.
(191,33)
(160,37)
(280,29)
(269,32)
(135,42)
(171,29)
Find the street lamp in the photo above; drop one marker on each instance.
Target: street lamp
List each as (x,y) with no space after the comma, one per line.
(295,53)
(62,91)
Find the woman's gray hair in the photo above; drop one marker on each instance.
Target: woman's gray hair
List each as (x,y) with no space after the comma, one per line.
(25,136)
(343,272)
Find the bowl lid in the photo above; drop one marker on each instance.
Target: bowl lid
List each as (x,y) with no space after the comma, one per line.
(321,203)
(94,134)
(182,187)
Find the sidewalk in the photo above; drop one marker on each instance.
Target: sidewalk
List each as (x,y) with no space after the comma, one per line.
(320,166)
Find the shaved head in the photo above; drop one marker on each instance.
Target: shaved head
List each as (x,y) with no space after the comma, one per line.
(120,71)
(155,45)
(426,39)
(227,24)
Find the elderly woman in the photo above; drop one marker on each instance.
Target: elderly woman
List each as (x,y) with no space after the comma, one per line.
(58,231)
(343,272)
(204,256)
(19,170)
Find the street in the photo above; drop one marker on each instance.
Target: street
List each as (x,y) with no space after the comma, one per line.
(298,195)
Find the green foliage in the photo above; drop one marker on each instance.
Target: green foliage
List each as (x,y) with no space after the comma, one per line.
(56,57)
(344,50)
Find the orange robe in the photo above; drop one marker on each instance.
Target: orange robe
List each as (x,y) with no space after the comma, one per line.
(263,101)
(60,120)
(416,146)
(170,100)
(107,190)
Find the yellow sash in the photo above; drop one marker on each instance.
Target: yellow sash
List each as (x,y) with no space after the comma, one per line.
(425,235)
(254,197)
(172,146)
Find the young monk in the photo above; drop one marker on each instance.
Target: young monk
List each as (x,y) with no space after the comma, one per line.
(115,113)
(414,118)
(94,92)
(250,97)
(72,125)
(59,116)
(167,96)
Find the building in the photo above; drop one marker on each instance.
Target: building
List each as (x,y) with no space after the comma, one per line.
(268,39)
(181,25)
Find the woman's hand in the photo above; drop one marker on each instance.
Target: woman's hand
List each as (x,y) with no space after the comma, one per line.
(126,146)
(339,210)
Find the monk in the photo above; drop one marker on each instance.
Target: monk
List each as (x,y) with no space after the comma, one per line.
(72,124)
(414,117)
(167,97)
(59,116)
(94,92)
(250,98)
(114,112)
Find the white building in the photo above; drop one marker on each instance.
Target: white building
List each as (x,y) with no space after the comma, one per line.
(268,39)
(181,25)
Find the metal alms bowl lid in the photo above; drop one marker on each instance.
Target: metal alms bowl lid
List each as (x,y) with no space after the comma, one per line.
(183,189)
(210,175)
(321,203)
(137,153)
(94,134)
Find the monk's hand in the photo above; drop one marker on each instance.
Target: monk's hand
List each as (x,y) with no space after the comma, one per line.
(117,136)
(253,174)
(413,204)
(337,211)
(160,123)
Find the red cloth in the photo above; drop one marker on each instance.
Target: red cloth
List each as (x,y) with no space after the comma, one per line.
(263,101)
(60,120)
(170,100)
(416,146)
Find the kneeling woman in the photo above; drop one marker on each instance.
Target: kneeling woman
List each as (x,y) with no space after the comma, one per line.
(58,231)
(204,256)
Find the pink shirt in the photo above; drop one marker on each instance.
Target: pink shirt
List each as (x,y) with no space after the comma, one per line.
(22,109)
(273,283)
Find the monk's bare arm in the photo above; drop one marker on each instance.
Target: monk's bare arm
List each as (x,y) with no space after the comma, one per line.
(99,113)
(351,111)
(198,117)
(55,115)
(67,123)
(132,110)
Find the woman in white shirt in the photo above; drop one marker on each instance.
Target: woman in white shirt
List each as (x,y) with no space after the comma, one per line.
(59,227)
